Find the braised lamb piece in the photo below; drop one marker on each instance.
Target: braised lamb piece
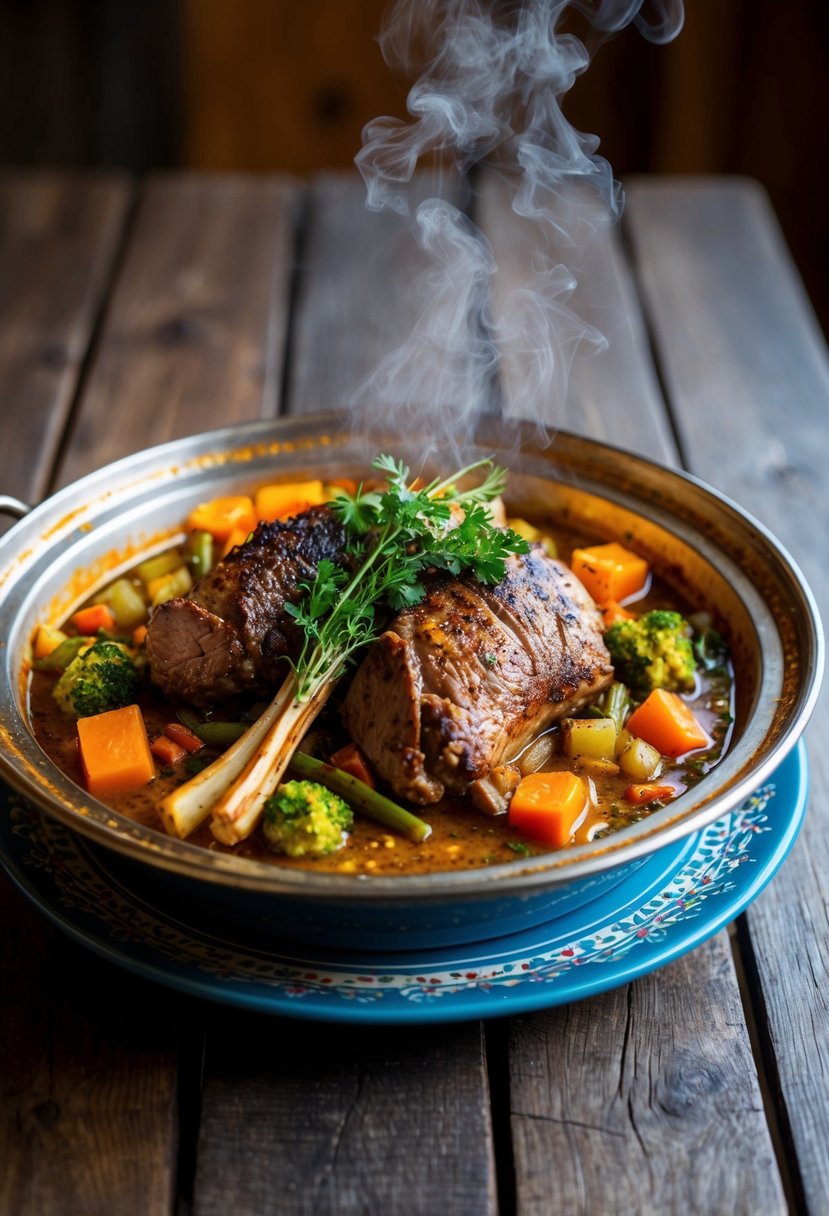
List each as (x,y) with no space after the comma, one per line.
(467,678)
(229,635)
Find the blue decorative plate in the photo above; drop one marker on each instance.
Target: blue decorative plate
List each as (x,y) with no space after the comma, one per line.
(679,897)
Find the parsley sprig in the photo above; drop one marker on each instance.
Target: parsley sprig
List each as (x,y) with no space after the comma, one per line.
(395,534)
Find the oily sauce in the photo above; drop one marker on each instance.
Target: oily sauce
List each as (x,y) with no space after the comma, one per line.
(462,837)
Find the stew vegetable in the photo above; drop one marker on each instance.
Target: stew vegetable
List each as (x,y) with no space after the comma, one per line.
(401,737)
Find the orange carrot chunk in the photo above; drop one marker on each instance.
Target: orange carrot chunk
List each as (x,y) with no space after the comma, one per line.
(183,736)
(96,616)
(609,572)
(166,750)
(641,794)
(115,752)
(349,759)
(139,635)
(665,721)
(548,807)
(285,501)
(221,516)
(237,537)
(613,612)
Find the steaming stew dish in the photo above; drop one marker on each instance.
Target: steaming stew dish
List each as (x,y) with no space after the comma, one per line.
(389,677)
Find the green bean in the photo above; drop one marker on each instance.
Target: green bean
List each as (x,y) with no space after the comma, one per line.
(361,797)
(62,655)
(616,703)
(200,553)
(219,734)
(214,734)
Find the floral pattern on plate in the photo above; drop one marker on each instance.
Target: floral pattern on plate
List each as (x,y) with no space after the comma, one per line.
(708,870)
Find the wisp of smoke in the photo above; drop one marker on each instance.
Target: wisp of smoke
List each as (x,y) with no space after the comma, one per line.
(491,76)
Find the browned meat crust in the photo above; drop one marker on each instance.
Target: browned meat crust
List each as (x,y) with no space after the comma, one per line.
(229,635)
(466,679)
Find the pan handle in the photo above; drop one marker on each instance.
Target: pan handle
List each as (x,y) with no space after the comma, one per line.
(13,506)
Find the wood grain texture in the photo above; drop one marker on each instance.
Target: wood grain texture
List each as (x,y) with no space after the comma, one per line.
(657,1119)
(609,394)
(380,325)
(748,376)
(59,235)
(87,1078)
(303,1118)
(614,396)
(344,1120)
(194,334)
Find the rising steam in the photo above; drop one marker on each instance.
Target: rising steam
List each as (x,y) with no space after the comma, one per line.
(491,76)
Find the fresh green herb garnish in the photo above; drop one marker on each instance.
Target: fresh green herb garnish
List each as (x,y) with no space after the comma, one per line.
(519,847)
(395,535)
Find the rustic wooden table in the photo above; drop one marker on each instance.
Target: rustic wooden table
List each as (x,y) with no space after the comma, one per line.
(130,315)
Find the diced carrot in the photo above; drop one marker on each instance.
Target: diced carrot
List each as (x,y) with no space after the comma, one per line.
(166,750)
(640,794)
(47,640)
(183,736)
(288,499)
(350,759)
(96,616)
(139,635)
(115,752)
(548,806)
(613,612)
(609,572)
(221,516)
(665,721)
(237,537)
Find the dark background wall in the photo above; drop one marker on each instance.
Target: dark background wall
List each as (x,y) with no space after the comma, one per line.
(286,86)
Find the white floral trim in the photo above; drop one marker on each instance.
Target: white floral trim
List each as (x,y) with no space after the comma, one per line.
(721,848)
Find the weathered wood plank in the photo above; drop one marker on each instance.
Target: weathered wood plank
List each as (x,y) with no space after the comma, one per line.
(345,1120)
(87,1078)
(748,377)
(614,397)
(365,288)
(600,1108)
(87,1099)
(59,235)
(612,394)
(194,334)
(315,1119)
(192,340)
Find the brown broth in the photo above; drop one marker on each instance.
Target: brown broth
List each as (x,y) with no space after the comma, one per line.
(462,837)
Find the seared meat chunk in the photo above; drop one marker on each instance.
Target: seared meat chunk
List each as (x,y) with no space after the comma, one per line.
(227,637)
(465,680)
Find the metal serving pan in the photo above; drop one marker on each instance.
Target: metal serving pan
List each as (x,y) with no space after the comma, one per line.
(703,544)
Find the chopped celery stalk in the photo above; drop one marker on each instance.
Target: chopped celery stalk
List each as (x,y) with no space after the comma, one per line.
(361,797)
(155,567)
(200,552)
(127,603)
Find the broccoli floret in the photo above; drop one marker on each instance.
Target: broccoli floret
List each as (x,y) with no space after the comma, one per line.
(304,819)
(101,678)
(654,651)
